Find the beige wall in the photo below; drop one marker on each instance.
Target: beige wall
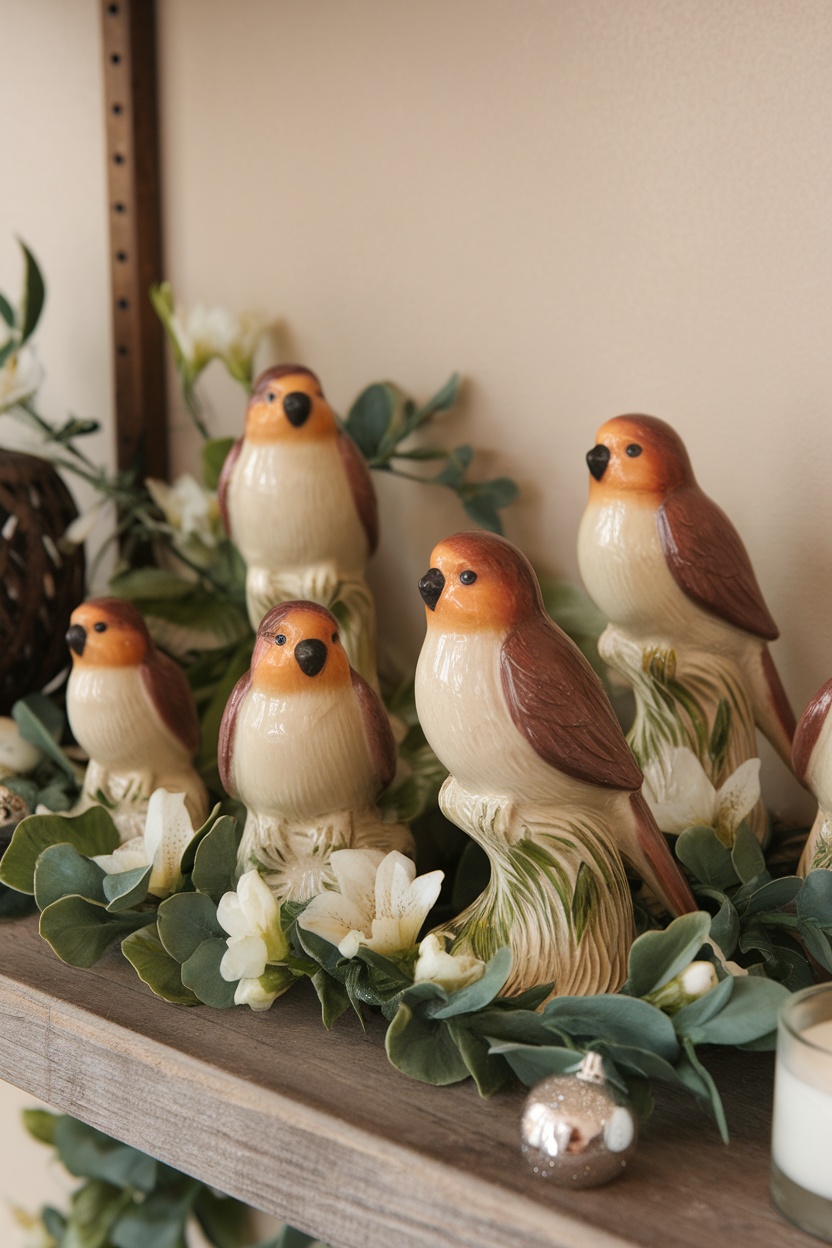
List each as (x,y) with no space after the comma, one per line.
(587,206)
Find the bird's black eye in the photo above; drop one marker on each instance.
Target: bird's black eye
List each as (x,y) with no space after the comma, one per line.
(633,449)
(100,627)
(334,638)
(468,577)
(270,396)
(280,639)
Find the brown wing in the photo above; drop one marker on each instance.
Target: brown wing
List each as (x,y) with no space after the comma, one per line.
(170,693)
(225,480)
(808,729)
(361,485)
(225,745)
(559,705)
(709,562)
(380,739)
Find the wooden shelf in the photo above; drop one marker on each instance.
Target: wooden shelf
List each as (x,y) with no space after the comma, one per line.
(319,1129)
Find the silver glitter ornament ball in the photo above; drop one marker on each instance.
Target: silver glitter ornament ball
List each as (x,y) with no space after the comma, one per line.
(577,1130)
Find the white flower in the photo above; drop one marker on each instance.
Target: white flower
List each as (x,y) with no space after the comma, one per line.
(17,757)
(188,508)
(680,795)
(167,833)
(204,334)
(79,529)
(449,970)
(20,377)
(697,979)
(380,902)
(251,916)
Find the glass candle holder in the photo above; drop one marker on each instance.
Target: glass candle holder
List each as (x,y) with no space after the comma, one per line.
(801,1167)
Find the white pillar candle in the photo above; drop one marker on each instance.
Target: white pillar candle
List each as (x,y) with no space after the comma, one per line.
(802,1136)
(801,1171)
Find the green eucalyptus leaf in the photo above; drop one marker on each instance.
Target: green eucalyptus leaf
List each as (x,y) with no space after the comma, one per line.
(186,863)
(774,894)
(160,1220)
(694,1075)
(632,1059)
(214,454)
(42,709)
(215,864)
(615,1018)
(40,1123)
(155,966)
(332,996)
(222,1219)
(814,901)
(456,466)
(34,295)
(489,1070)
(149,584)
(443,400)
(92,832)
(751,1011)
(747,855)
(532,1062)
(515,1026)
(479,994)
(326,955)
(289,1237)
(126,889)
(184,921)
(14,905)
(370,417)
(725,927)
(792,968)
(55,1223)
(528,1000)
(37,733)
(90,1154)
(201,973)
(236,666)
(424,1048)
(704,1008)
(61,871)
(655,957)
(7,311)
(82,931)
(816,941)
(94,1211)
(700,850)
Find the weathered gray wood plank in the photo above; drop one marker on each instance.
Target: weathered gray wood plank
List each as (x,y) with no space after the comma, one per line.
(319,1129)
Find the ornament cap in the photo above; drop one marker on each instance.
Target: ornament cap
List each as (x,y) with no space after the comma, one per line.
(592,1068)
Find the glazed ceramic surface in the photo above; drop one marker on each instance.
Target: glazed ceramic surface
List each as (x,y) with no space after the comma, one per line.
(299,504)
(307,747)
(131,710)
(688,625)
(813,765)
(541,776)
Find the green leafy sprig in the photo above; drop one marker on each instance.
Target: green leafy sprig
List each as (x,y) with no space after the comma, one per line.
(127,1199)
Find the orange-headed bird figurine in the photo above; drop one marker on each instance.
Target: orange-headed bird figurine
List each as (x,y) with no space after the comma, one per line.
(688,626)
(540,775)
(298,502)
(306,745)
(131,709)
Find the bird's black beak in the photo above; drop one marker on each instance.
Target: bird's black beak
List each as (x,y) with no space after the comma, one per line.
(310,655)
(598,458)
(76,638)
(297,407)
(431,586)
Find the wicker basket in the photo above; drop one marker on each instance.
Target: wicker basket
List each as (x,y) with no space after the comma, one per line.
(40,585)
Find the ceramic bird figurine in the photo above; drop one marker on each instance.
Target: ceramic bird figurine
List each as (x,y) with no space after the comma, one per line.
(131,709)
(297,500)
(540,775)
(688,625)
(812,755)
(306,745)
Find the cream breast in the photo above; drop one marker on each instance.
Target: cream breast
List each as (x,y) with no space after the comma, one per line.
(113,719)
(291,505)
(302,755)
